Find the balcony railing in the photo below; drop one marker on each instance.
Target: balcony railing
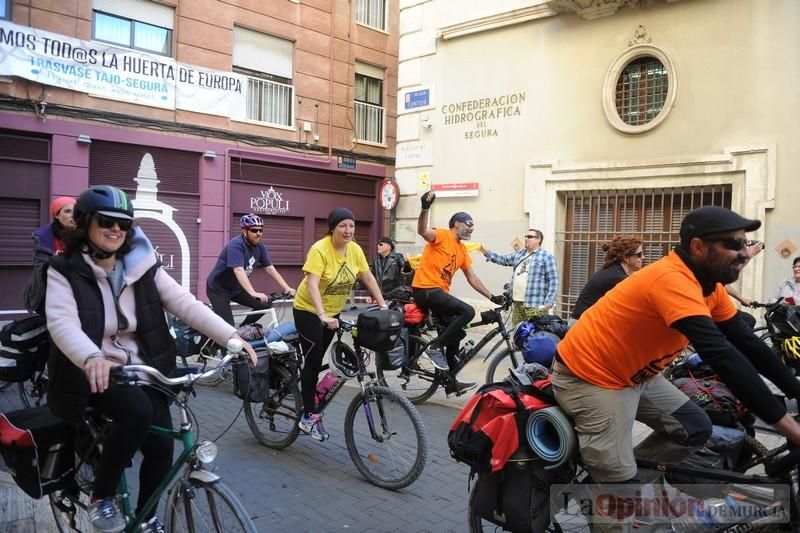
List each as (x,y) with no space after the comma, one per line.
(372,13)
(269,101)
(369,122)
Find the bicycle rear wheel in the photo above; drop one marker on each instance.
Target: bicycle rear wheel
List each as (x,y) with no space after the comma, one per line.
(196,505)
(274,421)
(418,380)
(386,438)
(70,505)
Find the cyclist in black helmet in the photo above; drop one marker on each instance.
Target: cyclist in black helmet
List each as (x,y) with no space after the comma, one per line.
(106,297)
(230,278)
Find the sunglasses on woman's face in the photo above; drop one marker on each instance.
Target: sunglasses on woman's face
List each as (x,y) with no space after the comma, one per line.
(638,254)
(108,222)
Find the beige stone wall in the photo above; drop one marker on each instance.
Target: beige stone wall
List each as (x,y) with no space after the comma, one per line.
(737,65)
(203,35)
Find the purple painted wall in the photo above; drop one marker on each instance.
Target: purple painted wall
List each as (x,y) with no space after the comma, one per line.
(70,170)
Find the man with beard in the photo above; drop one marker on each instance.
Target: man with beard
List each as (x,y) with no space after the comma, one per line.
(607,371)
(444,254)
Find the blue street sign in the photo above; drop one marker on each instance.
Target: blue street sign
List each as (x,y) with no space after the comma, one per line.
(419,98)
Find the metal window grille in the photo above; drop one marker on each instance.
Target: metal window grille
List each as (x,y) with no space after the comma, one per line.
(369,122)
(641,91)
(269,101)
(372,13)
(596,217)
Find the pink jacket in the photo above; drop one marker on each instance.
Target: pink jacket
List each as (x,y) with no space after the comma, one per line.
(65,326)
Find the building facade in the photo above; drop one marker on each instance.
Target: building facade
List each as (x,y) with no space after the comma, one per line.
(202,110)
(589,119)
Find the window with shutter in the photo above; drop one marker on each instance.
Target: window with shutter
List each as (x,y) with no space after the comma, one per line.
(596,217)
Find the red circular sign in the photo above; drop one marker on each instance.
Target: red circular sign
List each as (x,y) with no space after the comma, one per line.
(389,195)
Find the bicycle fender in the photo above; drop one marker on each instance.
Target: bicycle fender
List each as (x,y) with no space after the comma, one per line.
(204,475)
(497,345)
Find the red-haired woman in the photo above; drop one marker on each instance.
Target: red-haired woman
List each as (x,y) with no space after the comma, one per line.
(623,255)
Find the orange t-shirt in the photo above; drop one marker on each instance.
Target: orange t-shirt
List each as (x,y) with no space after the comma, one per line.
(625,338)
(440,260)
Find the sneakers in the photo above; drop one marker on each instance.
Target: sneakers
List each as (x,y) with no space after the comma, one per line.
(459,387)
(105,516)
(312,424)
(153,525)
(437,358)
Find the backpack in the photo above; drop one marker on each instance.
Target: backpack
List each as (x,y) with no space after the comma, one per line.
(704,388)
(38,450)
(538,336)
(491,427)
(24,348)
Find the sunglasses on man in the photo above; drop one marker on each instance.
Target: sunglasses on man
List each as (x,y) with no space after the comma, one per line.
(108,222)
(731,243)
(532,237)
(255,230)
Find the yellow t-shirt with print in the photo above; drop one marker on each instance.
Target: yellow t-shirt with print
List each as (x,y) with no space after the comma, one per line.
(337,275)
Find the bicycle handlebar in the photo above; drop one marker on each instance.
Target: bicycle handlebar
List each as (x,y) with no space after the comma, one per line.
(127,373)
(769,307)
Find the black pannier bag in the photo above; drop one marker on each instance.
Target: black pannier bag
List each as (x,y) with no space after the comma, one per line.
(252,384)
(517,498)
(24,348)
(397,357)
(38,450)
(378,330)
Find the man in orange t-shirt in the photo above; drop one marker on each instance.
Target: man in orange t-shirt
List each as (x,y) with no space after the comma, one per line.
(442,257)
(607,371)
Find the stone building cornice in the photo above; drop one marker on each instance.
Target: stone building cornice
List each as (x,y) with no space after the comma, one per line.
(593,9)
(499,20)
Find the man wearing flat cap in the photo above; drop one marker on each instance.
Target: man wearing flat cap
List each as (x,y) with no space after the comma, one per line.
(442,257)
(607,371)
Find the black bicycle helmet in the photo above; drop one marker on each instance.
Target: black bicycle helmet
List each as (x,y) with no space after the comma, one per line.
(106,200)
(344,363)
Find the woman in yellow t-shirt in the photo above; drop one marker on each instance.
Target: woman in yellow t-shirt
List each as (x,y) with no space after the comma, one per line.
(332,265)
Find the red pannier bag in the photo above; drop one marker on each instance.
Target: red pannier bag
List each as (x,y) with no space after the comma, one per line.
(413,314)
(491,426)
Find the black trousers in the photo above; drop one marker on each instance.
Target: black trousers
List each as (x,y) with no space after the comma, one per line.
(448,310)
(314,339)
(133,410)
(221,303)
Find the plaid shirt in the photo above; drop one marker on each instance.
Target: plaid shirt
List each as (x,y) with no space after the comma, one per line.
(542,274)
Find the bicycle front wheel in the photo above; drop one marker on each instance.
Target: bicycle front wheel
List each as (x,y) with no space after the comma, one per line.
(386,438)
(274,422)
(502,363)
(196,505)
(418,380)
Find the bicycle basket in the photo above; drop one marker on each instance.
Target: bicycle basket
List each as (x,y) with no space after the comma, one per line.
(378,330)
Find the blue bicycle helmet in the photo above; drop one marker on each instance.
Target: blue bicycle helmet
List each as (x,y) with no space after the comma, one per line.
(106,200)
(249,220)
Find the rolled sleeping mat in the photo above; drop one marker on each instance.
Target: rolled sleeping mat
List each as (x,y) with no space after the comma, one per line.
(551,436)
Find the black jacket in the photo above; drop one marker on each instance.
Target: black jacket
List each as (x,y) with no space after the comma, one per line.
(388,271)
(68,390)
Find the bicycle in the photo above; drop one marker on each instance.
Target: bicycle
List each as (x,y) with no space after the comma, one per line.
(209,354)
(746,489)
(418,380)
(388,444)
(198,500)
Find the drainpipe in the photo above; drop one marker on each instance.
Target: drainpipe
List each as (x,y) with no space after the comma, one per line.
(330,84)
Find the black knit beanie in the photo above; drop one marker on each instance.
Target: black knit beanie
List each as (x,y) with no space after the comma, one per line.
(339,214)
